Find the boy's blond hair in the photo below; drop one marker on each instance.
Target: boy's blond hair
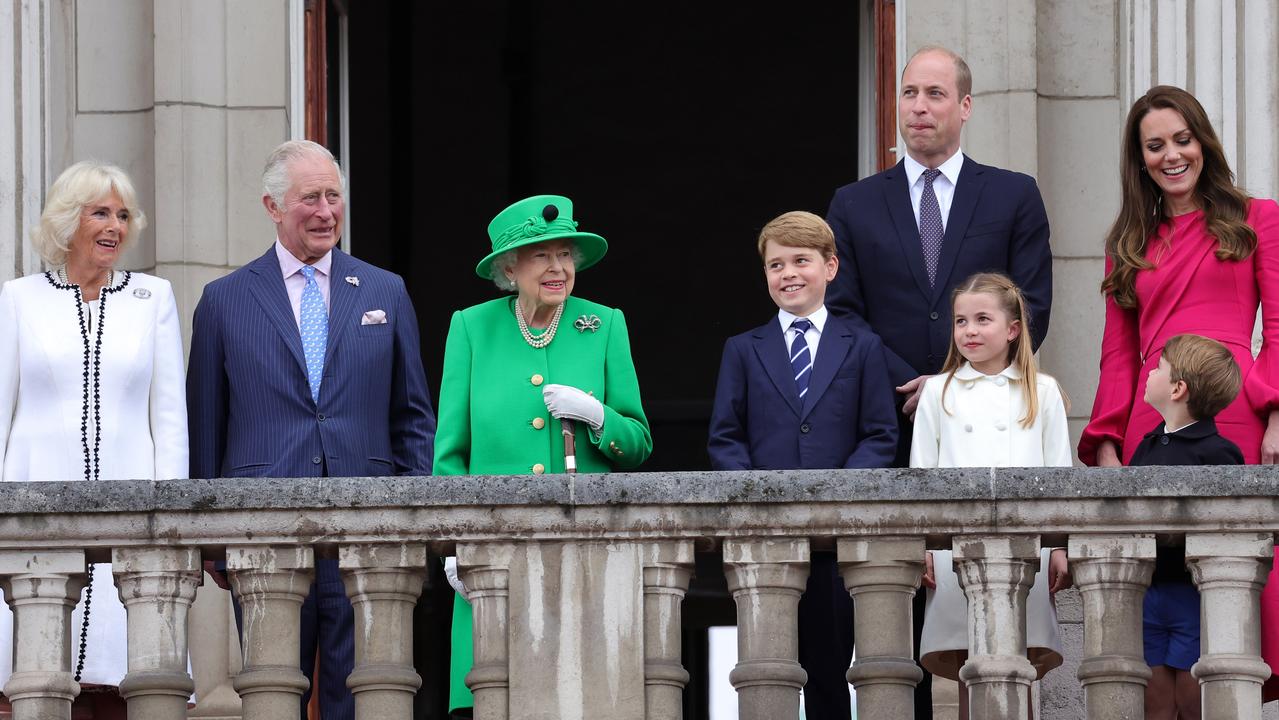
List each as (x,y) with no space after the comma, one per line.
(1210,372)
(799,229)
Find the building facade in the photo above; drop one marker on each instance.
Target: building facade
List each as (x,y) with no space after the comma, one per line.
(189,97)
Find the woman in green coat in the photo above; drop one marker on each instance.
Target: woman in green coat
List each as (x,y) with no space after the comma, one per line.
(516,366)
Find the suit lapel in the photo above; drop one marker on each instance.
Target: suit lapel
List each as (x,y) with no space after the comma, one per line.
(897,197)
(770,348)
(967,192)
(831,350)
(342,297)
(267,286)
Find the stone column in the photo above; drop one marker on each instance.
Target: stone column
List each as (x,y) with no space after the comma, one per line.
(157,586)
(271,582)
(485,571)
(42,588)
(996,572)
(667,571)
(882,575)
(766,578)
(1230,569)
(383,582)
(1112,573)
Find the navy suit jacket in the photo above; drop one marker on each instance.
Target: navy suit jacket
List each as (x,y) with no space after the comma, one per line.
(248,401)
(846,419)
(997,222)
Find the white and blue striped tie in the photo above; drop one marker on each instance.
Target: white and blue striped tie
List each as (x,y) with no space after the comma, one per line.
(315,331)
(801,358)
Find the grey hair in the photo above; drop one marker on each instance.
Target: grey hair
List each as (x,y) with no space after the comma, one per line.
(506,261)
(275,176)
(85,182)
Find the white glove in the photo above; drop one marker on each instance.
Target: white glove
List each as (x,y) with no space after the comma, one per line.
(450,572)
(565,401)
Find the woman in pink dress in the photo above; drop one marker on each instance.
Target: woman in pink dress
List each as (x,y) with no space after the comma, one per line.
(1189,253)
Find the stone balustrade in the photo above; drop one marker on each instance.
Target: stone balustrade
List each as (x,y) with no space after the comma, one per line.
(576,582)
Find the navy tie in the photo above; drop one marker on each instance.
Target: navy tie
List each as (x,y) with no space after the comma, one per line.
(930,225)
(801,358)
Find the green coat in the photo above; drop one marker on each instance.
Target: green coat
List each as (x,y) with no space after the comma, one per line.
(491,394)
(491,407)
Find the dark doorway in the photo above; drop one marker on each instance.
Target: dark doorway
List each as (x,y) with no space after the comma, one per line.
(678,129)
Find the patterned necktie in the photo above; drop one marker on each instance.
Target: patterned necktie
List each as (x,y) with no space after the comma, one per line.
(801,359)
(315,331)
(930,227)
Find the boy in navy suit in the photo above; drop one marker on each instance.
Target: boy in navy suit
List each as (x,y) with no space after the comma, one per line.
(806,390)
(1196,378)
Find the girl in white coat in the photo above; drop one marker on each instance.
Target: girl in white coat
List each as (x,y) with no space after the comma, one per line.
(989,407)
(91,386)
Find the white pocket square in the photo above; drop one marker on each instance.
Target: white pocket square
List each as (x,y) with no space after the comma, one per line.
(374,317)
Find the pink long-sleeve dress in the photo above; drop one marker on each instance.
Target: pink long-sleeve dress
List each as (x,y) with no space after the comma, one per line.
(1190,291)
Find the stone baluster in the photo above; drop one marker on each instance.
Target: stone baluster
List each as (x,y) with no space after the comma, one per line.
(882,575)
(996,572)
(485,571)
(42,588)
(766,578)
(1112,573)
(383,582)
(667,571)
(271,582)
(1230,569)
(157,586)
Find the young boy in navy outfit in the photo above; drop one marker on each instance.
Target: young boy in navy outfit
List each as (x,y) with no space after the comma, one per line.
(1196,378)
(806,390)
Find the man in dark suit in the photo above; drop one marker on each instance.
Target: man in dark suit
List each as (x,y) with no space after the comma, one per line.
(908,235)
(806,390)
(305,363)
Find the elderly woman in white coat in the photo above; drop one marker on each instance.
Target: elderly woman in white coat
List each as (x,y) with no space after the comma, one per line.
(91,380)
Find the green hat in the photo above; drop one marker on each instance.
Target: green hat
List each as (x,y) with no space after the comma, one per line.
(539,219)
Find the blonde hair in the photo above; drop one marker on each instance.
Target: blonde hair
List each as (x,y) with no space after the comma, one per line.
(1020,352)
(1210,372)
(83,183)
(799,229)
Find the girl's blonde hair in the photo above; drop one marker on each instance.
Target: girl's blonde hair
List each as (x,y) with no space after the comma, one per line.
(1020,352)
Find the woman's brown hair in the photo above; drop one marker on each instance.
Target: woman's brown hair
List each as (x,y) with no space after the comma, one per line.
(1224,205)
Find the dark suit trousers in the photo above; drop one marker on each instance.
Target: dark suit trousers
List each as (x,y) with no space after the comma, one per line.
(826,640)
(329,620)
(327,617)
(924,690)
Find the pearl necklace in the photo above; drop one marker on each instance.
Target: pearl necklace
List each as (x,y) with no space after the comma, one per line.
(546,337)
(62,277)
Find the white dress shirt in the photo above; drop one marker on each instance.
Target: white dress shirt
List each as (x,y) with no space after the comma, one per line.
(814,334)
(943,185)
(295,281)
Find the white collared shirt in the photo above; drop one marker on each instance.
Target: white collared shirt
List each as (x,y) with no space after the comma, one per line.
(295,281)
(814,334)
(943,185)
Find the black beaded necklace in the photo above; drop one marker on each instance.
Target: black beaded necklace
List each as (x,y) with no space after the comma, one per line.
(92,360)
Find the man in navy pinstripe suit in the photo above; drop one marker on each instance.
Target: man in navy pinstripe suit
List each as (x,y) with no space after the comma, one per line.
(353,402)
